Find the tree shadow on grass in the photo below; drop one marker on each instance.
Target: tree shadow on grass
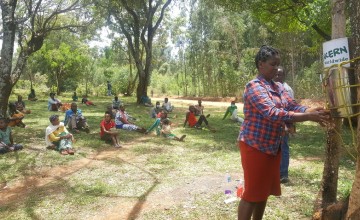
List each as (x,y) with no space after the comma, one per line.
(35,189)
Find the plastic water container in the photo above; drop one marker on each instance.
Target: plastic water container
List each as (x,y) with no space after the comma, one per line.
(240,188)
(228,190)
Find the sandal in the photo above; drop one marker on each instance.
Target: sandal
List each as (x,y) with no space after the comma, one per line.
(64,152)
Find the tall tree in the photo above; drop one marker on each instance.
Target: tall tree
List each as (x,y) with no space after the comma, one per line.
(329,183)
(354,12)
(7,51)
(138,21)
(32,21)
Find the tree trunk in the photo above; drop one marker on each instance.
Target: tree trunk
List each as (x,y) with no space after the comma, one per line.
(7,51)
(354,201)
(328,191)
(142,87)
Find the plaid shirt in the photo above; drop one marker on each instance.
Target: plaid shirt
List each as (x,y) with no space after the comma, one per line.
(267,106)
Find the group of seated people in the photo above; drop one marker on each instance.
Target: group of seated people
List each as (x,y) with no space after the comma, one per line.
(166,106)
(17,111)
(58,137)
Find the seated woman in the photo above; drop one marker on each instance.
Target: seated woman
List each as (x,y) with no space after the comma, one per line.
(6,138)
(122,121)
(20,106)
(74,97)
(86,101)
(16,117)
(53,103)
(57,137)
(32,96)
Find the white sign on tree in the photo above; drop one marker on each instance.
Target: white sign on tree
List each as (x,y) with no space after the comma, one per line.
(336,51)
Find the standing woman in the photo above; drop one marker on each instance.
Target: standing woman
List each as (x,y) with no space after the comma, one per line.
(267,107)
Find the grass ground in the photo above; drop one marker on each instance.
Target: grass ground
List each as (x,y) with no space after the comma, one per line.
(150,177)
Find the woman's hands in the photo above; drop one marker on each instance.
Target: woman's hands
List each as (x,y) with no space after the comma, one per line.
(320,115)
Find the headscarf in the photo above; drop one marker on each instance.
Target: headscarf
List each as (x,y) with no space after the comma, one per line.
(51,128)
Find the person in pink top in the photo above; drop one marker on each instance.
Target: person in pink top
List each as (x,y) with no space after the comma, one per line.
(108,131)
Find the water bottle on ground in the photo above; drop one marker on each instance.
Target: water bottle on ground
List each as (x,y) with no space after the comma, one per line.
(240,188)
(228,189)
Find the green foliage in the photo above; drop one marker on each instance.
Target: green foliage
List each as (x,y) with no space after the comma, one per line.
(63,59)
(165,84)
(308,84)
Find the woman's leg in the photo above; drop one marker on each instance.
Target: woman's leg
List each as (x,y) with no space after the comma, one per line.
(259,210)
(246,210)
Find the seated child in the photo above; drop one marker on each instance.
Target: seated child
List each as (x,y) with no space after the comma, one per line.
(54,104)
(107,132)
(57,136)
(116,103)
(75,97)
(16,117)
(32,96)
(157,124)
(6,138)
(20,106)
(167,105)
(86,101)
(166,131)
(232,111)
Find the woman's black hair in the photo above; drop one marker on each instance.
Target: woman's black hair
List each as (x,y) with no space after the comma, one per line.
(264,54)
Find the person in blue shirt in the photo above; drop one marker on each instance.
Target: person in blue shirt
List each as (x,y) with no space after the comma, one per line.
(75,120)
(145,100)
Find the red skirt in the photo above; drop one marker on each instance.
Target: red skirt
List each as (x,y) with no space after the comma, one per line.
(261,174)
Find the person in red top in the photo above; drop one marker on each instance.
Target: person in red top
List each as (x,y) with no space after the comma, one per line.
(193,122)
(267,108)
(108,130)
